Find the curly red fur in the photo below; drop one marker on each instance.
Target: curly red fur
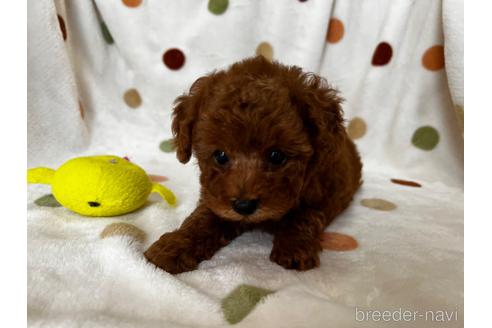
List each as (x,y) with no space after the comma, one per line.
(246,111)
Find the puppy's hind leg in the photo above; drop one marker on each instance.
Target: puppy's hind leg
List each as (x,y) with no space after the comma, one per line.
(296,241)
(200,236)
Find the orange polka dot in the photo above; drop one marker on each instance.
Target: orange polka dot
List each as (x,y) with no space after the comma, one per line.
(433,58)
(157,178)
(335,30)
(335,241)
(132,3)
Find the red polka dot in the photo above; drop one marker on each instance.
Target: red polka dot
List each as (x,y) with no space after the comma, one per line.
(174,59)
(63,27)
(382,55)
(335,30)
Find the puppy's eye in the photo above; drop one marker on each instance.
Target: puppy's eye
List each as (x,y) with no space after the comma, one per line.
(276,157)
(220,157)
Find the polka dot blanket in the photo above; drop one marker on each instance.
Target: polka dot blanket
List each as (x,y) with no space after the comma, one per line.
(102,79)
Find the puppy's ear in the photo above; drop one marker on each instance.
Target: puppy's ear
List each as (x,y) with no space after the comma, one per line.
(185,114)
(321,111)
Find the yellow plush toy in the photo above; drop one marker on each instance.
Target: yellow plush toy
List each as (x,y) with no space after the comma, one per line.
(99,185)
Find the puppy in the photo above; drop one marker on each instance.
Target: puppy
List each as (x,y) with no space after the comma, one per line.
(273,155)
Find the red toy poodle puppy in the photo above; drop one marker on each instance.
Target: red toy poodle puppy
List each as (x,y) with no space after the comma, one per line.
(273,155)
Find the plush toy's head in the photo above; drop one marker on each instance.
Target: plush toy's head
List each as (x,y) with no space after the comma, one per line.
(99,185)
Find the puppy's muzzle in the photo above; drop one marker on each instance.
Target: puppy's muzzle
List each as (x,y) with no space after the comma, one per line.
(245,206)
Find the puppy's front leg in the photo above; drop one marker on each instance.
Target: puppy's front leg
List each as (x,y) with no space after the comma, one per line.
(296,241)
(199,237)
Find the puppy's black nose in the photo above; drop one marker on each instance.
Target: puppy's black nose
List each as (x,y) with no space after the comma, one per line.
(245,206)
(93,204)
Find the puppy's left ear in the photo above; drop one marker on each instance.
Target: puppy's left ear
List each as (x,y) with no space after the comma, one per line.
(321,111)
(185,114)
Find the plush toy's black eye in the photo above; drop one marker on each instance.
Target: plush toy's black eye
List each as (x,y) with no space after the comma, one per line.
(276,157)
(94,204)
(220,157)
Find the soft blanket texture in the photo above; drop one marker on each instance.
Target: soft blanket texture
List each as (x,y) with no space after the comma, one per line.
(102,78)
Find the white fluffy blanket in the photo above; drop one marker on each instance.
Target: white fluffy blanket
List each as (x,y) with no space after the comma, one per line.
(104,85)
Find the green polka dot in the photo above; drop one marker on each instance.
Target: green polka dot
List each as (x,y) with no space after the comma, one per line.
(218,7)
(107,36)
(167,146)
(48,201)
(241,301)
(425,138)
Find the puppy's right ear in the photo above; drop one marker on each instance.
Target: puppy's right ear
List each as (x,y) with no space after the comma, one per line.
(185,114)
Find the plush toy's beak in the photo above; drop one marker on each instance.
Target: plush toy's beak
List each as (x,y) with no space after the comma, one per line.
(165,193)
(40,175)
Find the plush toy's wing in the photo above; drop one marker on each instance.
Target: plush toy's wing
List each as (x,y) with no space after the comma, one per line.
(40,175)
(165,193)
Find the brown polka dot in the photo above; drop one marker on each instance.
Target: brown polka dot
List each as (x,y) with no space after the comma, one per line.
(356,128)
(433,58)
(132,98)
(81,109)
(157,178)
(335,241)
(173,58)
(382,55)
(63,27)
(265,49)
(378,204)
(406,183)
(123,229)
(132,3)
(335,30)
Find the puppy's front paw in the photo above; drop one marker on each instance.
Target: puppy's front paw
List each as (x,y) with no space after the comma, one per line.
(295,257)
(172,254)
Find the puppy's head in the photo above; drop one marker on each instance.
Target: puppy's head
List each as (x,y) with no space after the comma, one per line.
(258,131)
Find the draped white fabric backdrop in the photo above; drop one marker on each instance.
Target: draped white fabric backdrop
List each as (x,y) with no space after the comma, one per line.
(398,64)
